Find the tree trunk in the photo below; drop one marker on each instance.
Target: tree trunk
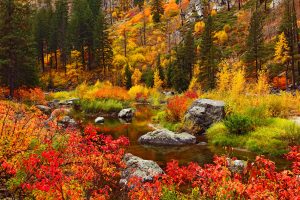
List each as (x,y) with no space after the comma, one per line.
(239,4)
(144,27)
(56,64)
(265,5)
(11,82)
(82,55)
(228,5)
(125,43)
(89,58)
(42,58)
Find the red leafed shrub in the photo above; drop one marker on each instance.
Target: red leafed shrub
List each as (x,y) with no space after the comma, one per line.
(191,94)
(176,107)
(259,180)
(28,95)
(72,166)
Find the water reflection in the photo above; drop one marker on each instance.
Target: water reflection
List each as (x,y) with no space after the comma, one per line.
(202,154)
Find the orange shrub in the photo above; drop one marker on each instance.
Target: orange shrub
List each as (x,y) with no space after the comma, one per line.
(176,107)
(29,95)
(34,95)
(280,82)
(117,93)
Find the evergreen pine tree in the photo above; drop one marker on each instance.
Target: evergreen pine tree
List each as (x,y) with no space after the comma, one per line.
(184,64)
(290,29)
(128,75)
(61,21)
(41,33)
(102,43)
(208,54)
(17,65)
(82,29)
(189,53)
(148,77)
(255,46)
(180,78)
(157,10)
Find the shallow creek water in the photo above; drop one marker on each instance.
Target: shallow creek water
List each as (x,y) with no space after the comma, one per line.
(200,153)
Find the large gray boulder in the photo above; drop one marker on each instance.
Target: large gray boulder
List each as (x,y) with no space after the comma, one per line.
(140,168)
(202,114)
(126,113)
(166,137)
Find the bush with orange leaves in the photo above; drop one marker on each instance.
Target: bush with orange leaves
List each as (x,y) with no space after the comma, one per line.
(178,105)
(42,161)
(26,95)
(113,92)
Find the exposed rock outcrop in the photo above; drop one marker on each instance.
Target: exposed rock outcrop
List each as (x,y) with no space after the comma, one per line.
(140,168)
(166,137)
(202,114)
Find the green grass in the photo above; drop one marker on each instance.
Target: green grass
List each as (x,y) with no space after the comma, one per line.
(273,138)
(95,106)
(161,119)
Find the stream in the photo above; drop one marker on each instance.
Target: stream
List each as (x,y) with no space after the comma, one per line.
(201,152)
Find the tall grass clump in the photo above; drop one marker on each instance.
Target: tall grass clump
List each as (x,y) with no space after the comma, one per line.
(95,106)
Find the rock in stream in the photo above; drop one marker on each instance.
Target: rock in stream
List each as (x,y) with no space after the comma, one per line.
(166,137)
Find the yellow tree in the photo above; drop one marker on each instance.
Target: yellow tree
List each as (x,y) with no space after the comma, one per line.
(282,53)
(136,77)
(157,81)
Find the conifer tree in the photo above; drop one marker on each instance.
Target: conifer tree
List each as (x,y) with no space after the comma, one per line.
(41,33)
(290,29)
(208,54)
(60,24)
(128,75)
(17,65)
(180,79)
(82,29)
(189,52)
(102,43)
(184,64)
(157,10)
(255,43)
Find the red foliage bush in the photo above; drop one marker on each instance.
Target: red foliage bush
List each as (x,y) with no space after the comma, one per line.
(176,107)
(72,166)
(191,94)
(259,180)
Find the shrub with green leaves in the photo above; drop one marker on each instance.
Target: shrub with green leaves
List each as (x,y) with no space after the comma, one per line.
(239,124)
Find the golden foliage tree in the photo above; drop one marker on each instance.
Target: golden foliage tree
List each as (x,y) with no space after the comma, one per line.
(136,77)
(282,50)
(157,81)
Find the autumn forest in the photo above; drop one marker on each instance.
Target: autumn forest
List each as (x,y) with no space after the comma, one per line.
(149,99)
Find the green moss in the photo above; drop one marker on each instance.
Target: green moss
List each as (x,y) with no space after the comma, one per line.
(272,138)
